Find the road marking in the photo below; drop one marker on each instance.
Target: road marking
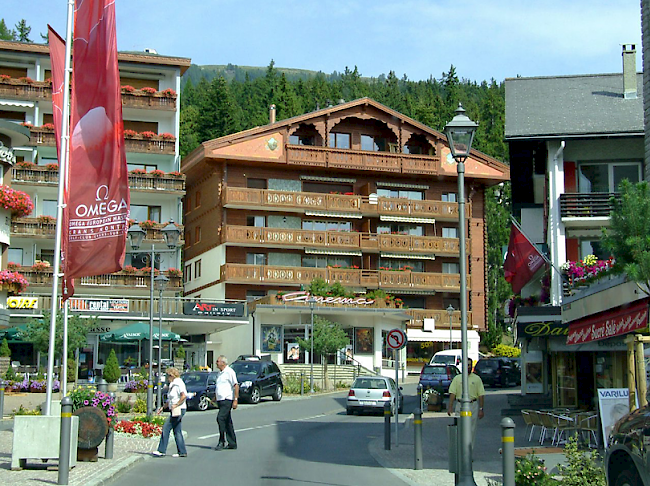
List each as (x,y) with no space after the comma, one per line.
(266,426)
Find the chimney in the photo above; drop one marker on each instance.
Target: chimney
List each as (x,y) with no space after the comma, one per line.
(629,71)
(272,114)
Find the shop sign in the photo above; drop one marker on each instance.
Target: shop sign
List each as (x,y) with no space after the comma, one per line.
(213,309)
(617,322)
(542,329)
(304,296)
(22,302)
(99,305)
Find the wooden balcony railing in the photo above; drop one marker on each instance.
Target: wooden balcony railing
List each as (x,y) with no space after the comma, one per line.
(586,205)
(146,182)
(275,275)
(33,227)
(441,317)
(242,197)
(362,160)
(45,137)
(119,279)
(42,90)
(286,238)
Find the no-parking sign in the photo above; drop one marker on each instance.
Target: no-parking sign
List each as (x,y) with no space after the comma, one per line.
(396,339)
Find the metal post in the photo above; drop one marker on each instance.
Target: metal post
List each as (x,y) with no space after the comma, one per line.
(302,383)
(64,440)
(311,353)
(102,385)
(417,429)
(508,450)
(2,398)
(150,375)
(159,394)
(108,448)
(387,426)
(396,359)
(420,397)
(450,335)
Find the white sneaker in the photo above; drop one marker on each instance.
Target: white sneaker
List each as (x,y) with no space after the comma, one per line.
(157,454)
(179,455)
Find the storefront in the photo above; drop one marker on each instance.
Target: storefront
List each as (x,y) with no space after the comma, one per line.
(423,344)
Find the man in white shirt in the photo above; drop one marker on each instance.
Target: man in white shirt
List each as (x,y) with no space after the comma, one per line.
(227,395)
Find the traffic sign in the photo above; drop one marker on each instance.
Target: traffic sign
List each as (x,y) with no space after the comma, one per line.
(396,339)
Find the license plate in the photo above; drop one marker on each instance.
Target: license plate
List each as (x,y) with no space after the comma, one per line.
(368,402)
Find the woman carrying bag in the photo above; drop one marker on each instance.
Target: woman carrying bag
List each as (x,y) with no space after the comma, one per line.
(176,397)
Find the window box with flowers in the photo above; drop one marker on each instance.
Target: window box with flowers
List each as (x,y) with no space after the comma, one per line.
(138,172)
(148,90)
(15,201)
(48,126)
(168,93)
(128,133)
(52,167)
(41,266)
(167,136)
(127,88)
(147,134)
(587,271)
(12,282)
(175,174)
(25,164)
(130,270)
(174,272)
(12,266)
(157,173)
(148,224)
(47,219)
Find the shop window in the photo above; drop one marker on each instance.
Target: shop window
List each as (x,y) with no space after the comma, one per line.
(339,140)
(197,269)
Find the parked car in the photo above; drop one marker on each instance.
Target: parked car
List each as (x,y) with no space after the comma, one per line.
(258,379)
(453,357)
(497,372)
(516,362)
(437,376)
(627,455)
(371,392)
(200,389)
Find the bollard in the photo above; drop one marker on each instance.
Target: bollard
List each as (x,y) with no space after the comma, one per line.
(2,399)
(387,426)
(110,437)
(102,385)
(420,397)
(302,383)
(508,450)
(417,428)
(64,441)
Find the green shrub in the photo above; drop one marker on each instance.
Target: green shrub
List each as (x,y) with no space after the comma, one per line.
(10,374)
(530,471)
(154,419)
(72,370)
(291,384)
(583,468)
(123,406)
(26,411)
(506,351)
(180,352)
(112,368)
(140,405)
(5,352)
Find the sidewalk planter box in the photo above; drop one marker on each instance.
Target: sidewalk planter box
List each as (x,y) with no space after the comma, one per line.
(38,436)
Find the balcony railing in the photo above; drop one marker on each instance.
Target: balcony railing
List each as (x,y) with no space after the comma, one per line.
(440,316)
(297,238)
(586,205)
(45,137)
(276,275)
(362,160)
(242,197)
(145,182)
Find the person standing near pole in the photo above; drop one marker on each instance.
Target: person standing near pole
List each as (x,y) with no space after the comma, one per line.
(177,407)
(476,396)
(227,395)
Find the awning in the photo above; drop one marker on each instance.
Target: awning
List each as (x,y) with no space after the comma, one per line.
(406,219)
(615,322)
(332,214)
(411,256)
(19,104)
(136,332)
(325,251)
(439,335)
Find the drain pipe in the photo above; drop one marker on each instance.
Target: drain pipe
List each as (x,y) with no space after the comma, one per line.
(554,215)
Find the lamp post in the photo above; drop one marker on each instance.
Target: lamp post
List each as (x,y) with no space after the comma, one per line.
(311,302)
(450,311)
(160,282)
(136,235)
(460,134)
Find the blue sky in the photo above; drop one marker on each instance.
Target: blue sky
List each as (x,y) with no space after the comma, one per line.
(482,39)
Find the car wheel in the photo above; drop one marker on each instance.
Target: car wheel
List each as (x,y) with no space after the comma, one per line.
(204,403)
(255,395)
(628,477)
(277,394)
(349,411)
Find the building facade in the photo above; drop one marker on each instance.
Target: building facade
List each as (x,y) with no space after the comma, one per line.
(355,194)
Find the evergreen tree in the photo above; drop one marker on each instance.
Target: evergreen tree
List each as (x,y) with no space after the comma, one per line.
(112,371)
(5,33)
(22,31)
(5,352)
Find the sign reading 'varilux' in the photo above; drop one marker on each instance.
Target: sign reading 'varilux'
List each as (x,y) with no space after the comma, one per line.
(213,309)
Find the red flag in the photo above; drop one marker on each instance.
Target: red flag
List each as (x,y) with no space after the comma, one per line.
(57,58)
(523,260)
(97,207)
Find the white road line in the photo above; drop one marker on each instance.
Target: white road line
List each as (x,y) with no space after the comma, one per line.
(263,426)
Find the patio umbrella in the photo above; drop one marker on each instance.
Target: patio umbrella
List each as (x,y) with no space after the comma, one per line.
(136,332)
(14,334)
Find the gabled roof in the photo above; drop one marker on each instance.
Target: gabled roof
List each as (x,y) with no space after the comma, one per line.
(572,106)
(206,148)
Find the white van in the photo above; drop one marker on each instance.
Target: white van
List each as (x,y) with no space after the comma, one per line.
(451,356)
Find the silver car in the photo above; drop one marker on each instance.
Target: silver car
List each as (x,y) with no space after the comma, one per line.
(371,392)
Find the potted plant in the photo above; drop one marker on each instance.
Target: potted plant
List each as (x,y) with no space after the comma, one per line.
(112,371)
(5,357)
(41,266)
(179,357)
(13,282)
(18,202)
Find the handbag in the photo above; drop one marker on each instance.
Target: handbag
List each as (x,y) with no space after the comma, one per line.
(176,412)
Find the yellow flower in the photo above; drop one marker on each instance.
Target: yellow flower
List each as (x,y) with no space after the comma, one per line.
(590,260)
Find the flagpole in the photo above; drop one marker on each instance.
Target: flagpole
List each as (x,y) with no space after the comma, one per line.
(544,257)
(65,137)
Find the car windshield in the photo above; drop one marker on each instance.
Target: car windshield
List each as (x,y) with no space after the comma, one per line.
(445,359)
(192,379)
(487,364)
(434,370)
(247,368)
(369,383)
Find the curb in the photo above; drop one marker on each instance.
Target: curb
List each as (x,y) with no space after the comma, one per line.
(108,476)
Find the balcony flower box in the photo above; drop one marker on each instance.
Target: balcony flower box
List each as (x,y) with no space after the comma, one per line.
(12,282)
(15,201)
(587,271)
(174,272)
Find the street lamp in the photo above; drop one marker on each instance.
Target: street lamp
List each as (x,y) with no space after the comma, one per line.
(450,311)
(460,134)
(160,282)
(136,235)
(311,301)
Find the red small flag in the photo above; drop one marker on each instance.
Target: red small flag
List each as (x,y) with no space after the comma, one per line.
(523,260)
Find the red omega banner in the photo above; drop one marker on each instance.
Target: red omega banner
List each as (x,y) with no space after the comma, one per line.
(97,204)
(609,324)
(57,59)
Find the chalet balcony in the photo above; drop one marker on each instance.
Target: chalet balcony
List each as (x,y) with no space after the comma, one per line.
(354,205)
(157,145)
(579,210)
(17,89)
(372,279)
(362,160)
(340,240)
(441,317)
(144,182)
(44,278)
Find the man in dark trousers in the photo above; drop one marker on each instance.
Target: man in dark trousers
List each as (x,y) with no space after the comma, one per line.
(227,395)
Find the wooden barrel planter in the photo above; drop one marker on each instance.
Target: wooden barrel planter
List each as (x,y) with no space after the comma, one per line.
(93,428)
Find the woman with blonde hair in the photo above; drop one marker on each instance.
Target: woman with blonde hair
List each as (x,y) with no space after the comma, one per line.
(176,402)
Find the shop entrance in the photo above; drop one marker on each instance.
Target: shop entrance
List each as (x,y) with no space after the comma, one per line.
(585,380)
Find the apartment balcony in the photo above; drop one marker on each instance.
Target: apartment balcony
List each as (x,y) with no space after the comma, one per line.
(314,203)
(586,210)
(17,89)
(141,182)
(250,236)
(362,160)
(372,279)
(440,316)
(157,145)
(44,278)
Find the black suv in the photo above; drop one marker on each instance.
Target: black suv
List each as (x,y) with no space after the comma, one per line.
(626,459)
(498,372)
(258,379)
(200,388)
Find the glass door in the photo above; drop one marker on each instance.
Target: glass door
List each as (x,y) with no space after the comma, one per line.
(564,380)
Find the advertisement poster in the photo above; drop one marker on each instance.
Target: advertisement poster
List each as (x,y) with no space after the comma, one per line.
(363,340)
(271,339)
(614,403)
(293,352)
